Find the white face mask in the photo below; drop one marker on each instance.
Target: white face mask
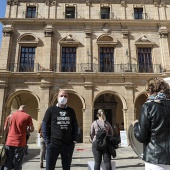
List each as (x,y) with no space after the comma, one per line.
(62,100)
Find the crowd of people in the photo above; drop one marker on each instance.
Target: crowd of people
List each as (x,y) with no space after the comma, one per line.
(59,130)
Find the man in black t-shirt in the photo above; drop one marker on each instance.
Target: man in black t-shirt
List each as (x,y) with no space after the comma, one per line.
(59,128)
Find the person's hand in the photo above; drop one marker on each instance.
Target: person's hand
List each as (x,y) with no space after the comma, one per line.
(135,122)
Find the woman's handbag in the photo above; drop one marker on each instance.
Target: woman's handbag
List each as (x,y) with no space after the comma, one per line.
(3,155)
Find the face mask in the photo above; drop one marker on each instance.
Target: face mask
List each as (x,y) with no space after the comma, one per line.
(62,100)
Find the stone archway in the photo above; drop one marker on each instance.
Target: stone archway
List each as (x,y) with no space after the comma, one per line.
(32,104)
(140,100)
(113,107)
(75,102)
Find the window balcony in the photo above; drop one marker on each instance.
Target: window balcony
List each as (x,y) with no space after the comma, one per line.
(116,68)
(25,67)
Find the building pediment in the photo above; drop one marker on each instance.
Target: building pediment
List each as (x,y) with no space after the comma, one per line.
(144,41)
(69,40)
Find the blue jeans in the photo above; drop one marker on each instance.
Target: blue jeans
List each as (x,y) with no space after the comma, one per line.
(14,155)
(53,151)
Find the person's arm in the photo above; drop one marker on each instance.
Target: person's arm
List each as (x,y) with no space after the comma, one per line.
(92,131)
(75,127)
(46,126)
(30,126)
(142,127)
(6,123)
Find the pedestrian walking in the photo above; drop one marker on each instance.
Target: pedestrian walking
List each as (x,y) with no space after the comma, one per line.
(42,146)
(59,128)
(153,127)
(101,123)
(16,139)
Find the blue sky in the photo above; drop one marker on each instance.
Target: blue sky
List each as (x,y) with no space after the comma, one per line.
(2,14)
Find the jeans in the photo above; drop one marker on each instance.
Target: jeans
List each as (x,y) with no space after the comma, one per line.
(14,155)
(42,150)
(53,151)
(98,158)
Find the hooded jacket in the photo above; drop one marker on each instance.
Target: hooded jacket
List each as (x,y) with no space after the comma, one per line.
(153,130)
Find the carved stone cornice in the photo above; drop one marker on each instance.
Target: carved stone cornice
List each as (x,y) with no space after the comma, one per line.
(162,4)
(88,3)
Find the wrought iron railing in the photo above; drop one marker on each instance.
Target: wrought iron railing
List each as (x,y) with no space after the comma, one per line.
(116,68)
(26,67)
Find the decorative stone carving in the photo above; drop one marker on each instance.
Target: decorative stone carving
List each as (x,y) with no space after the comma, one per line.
(123,3)
(162,4)
(9,2)
(88,31)
(48,31)
(16,2)
(155,3)
(87,3)
(47,3)
(8,30)
(54,3)
(163,32)
(125,33)
(106,28)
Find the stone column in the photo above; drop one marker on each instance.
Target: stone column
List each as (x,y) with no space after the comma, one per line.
(15,9)
(8,9)
(6,45)
(88,112)
(48,47)
(53,10)
(126,50)
(123,9)
(47,9)
(163,11)
(129,113)
(156,6)
(3,110)
(45,97)
(163,32)
(87,16)
(88,50)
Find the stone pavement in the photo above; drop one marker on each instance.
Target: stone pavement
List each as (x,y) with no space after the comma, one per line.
(126,158)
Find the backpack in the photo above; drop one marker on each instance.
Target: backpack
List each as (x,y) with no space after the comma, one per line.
(101,139)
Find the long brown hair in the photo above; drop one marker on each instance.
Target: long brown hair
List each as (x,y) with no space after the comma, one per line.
(100,113)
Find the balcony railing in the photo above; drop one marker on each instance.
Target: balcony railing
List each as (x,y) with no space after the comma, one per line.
(15,67)
(116,68)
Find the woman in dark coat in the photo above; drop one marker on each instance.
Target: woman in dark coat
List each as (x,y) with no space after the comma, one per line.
(153,127)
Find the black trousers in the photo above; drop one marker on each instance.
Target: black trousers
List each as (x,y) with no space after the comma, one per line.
(98,158)
(53,151)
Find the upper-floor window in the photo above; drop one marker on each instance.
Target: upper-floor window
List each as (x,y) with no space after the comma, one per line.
(27,59)
(138,13)
(145,60)
(105,13)
(31,12)
(68,60)
(106,59)
(70,12)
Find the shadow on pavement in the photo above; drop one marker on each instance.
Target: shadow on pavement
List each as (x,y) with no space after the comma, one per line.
(131,166)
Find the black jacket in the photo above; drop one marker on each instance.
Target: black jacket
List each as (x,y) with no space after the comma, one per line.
(153,130)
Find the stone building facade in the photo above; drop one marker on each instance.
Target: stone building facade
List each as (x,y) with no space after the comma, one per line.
(101,51)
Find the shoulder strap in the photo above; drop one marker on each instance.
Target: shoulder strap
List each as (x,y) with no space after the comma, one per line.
(98,125)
